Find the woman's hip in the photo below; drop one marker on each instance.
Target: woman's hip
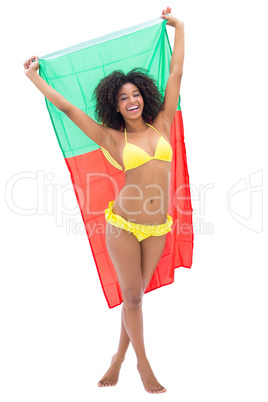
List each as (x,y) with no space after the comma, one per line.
(139,230)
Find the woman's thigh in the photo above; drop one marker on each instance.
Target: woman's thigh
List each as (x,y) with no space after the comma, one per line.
(125,252)
(151,251)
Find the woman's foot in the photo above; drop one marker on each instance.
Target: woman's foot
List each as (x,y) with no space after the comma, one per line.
(110,378)
(148,378)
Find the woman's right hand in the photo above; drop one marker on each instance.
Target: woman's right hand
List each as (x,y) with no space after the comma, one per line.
(31,64)
(171,21)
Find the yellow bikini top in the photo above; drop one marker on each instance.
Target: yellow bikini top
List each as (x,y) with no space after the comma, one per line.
(134,156)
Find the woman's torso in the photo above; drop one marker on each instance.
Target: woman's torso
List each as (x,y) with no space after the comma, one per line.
(144,197)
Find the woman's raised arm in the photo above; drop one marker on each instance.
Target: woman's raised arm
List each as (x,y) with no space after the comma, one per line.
(172,91)
(100,134)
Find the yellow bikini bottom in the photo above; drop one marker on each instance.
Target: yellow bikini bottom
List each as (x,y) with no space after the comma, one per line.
(140,231)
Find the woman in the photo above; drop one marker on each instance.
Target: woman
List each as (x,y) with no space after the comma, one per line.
(137,221)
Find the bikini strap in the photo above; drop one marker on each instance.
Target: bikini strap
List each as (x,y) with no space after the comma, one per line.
(126,135)
(154,129)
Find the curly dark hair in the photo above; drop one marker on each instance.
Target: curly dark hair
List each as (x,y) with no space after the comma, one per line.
(106,96)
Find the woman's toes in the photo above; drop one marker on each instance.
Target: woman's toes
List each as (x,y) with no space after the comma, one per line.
(157,390)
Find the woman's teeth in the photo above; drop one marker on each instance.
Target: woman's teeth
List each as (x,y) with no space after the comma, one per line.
(133,109)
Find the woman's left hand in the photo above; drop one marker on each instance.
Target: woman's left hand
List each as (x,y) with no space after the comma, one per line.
(172,21)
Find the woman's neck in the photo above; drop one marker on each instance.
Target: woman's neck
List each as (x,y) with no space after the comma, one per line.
(135,125)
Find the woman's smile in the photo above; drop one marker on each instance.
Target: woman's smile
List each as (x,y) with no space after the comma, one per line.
(133,109)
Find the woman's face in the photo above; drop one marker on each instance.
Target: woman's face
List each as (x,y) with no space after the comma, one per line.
(130,102)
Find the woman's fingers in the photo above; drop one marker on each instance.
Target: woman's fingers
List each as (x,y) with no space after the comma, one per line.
(31,61)
(26,62)
(166,11)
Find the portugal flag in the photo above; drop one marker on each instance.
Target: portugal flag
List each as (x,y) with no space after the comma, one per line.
(75,72)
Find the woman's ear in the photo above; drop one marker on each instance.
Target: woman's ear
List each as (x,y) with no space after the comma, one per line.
(117,106)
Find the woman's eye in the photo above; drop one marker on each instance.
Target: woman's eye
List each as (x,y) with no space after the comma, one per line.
(122,99)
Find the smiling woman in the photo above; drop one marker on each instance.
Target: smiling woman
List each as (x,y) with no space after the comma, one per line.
(139,123)
(119,91)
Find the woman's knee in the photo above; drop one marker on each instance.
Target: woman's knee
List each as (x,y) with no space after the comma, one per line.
(133,298)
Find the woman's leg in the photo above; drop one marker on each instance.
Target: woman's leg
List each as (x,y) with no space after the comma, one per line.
(125,253)
(124,340)
(132,323)
(151,251)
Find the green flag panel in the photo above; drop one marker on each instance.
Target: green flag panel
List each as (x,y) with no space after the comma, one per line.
(75,72)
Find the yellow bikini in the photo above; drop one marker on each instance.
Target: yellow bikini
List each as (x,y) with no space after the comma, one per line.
(134,156)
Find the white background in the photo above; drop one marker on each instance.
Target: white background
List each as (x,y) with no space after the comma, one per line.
(206,334)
